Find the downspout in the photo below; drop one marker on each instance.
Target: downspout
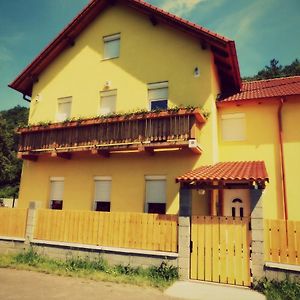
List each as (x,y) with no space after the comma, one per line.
(281,154)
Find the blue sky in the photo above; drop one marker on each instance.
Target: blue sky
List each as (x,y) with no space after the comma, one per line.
(262,30)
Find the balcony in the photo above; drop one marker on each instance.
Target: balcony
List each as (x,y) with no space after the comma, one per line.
(149,131)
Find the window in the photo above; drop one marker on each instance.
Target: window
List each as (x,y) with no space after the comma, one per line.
(155,194)
(233,127)
(64,109)
(102,193)
(111,46)
(237,209)
(108,102)
(158,95)
(56,192)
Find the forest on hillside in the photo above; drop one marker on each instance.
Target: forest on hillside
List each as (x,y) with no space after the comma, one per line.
(10,166)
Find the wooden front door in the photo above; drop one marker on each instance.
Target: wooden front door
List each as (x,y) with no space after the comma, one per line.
(220,250)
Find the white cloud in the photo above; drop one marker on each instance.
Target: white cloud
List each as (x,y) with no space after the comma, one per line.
(180,7)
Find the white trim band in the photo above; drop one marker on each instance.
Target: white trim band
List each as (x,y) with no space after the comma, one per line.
(104,248)
(12,238)
(281,266)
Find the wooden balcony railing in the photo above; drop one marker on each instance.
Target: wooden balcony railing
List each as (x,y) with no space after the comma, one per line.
(148,131)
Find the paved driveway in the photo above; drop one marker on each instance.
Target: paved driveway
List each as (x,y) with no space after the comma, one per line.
(25,285)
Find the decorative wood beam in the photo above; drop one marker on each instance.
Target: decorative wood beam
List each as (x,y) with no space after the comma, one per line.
(219,52)
(71,41)
(103,153)
(27,156)
(64,155)
(153,20)
(203,44)
(222,64)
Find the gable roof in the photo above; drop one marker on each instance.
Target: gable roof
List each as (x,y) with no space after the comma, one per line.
(263,89)
(253,171)
(223,49)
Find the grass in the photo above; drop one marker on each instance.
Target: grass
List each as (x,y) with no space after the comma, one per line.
(279,290)
(96,269)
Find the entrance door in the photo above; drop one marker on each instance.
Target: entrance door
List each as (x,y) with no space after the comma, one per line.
(220,250)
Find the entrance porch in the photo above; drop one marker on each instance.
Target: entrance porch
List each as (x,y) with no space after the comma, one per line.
(221,241)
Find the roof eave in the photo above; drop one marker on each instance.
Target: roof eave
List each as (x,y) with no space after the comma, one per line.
(24,82)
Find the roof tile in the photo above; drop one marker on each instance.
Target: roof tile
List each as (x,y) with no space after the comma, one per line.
(227,171)
(278,87)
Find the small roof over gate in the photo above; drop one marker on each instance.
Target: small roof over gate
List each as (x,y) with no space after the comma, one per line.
(228,172)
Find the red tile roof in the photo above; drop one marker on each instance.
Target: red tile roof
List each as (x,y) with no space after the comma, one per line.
(223,49)
(278,87)
(228,171)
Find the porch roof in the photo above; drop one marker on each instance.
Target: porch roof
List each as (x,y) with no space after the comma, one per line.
(237,171)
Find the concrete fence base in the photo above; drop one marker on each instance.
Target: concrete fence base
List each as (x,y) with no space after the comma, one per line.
(112,255)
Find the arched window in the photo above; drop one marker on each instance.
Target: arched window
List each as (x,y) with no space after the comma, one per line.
(237,208)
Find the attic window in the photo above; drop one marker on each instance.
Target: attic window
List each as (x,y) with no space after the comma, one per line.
(158,95)
(111,46)
(63,109)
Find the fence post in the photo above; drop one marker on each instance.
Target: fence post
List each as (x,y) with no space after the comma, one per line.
(257,227)
(31,218)
(184,233)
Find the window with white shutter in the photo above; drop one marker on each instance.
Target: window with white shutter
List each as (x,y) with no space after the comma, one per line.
(56,192)
(156,194)
(63,109)
(108,101)
(233,127)
(102,193)
(158,95)
(111,46)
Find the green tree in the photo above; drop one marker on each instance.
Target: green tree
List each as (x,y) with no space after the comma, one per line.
(10,166)
(274,70)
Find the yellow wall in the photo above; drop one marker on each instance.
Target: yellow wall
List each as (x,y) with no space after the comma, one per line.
(262,143)
(147,54)
(128,173)
(291,137)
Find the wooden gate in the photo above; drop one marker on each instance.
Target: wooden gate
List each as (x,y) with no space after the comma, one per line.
(220,250)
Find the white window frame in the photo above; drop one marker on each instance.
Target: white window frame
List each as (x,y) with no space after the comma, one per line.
(56,179)
(104,179)
(237,132)
(155,178)
(108,94)
(106,40)
(157,86)
(59,115)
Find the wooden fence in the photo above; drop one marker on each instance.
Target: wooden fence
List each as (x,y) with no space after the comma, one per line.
(123,230)
(282,241)
(13,222)
(221,250)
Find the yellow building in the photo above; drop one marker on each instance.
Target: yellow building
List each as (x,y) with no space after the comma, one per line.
(128,98)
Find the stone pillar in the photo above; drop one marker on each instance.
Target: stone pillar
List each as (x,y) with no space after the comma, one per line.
(31,218)
(184,233)
(257,226)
